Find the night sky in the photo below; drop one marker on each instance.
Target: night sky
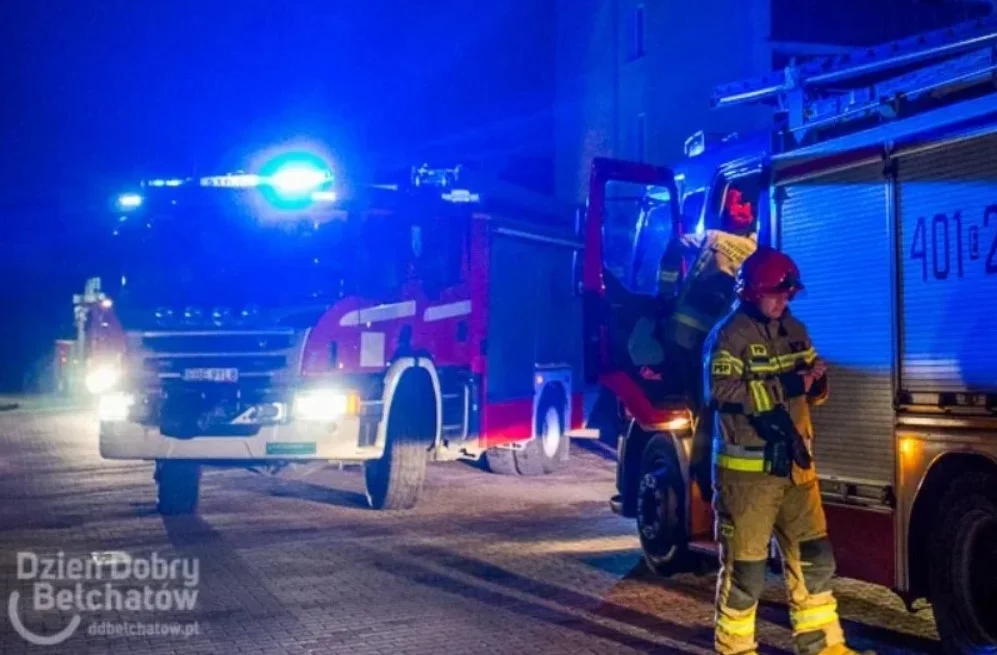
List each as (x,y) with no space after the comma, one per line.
(99,93)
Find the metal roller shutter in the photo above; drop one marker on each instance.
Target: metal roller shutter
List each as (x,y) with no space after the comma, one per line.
(836,227)
(948,208)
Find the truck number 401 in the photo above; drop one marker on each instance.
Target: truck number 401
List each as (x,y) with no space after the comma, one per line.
(941,237)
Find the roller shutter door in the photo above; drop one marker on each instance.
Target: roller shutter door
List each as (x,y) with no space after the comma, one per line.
(948,208)
(836,227)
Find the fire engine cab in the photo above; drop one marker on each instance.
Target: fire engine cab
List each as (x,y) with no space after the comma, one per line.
(269,318)
(879,178)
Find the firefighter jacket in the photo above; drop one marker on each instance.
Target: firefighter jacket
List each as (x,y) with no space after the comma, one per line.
(708,290)
(753,365)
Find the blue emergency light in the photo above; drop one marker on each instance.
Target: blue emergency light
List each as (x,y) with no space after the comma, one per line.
(288,181)
(127,201)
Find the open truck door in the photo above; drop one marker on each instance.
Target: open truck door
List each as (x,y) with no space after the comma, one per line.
(632,215)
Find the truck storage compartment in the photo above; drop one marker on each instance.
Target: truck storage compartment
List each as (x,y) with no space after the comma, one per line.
(837,228)
(948,215)
(534,314)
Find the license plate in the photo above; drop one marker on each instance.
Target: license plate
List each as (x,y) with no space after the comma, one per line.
(291,448)
(211,375)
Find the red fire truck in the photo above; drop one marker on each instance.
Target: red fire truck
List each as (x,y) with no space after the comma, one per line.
(880,179)
(275,317)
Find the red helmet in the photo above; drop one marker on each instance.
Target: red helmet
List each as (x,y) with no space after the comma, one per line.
(767,271)
(737,213)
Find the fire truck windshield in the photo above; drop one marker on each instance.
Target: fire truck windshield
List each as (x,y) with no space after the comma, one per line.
(226,264)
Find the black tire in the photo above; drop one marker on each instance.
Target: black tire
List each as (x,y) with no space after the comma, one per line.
(661,509)
(963,567)
(395,480)
(501,461)
(548,452)
(629,454)
(179,487)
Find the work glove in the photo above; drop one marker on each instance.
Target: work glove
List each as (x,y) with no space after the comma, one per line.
(784,445)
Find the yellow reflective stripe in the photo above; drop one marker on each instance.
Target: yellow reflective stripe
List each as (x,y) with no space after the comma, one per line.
(760,395)
(744,627)
(808,356)
(666,276)
(749,465)
(726,357)
(782,363)
(812,618)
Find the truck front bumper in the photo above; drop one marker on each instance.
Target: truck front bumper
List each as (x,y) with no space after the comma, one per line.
(291,441)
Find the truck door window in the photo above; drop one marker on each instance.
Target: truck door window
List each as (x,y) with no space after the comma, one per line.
(438,251)
(749,187)
(656,233)
(624,203)
(692,210)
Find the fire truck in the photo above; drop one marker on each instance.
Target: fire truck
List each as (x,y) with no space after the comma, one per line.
(281,316)
(879,177)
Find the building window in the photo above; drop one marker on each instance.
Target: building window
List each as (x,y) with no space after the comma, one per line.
(640,137)
(637,32)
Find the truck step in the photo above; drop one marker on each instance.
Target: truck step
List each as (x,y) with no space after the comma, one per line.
(705,547)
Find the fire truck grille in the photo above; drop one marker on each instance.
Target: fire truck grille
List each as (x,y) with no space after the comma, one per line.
(248,359)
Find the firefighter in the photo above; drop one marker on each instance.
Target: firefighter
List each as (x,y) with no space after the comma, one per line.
(707,292)
(762,375)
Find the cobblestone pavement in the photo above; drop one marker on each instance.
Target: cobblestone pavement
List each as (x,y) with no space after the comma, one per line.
(298,564)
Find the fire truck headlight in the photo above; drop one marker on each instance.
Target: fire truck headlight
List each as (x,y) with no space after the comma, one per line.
(102,379)
(114,406)
(324,405)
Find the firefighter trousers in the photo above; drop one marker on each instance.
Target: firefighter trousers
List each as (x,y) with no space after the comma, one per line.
(749,508)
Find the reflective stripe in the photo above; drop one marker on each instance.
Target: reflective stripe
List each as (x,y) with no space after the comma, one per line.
(812,618)
(666,276)
(724,356)
(808,356)
(740,464)
(743,627)
(692,322)
(782,363)
(760,396)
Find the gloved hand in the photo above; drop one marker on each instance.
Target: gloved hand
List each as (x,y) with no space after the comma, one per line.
(783,442)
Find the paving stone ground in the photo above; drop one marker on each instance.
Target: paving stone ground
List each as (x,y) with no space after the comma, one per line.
(298,564)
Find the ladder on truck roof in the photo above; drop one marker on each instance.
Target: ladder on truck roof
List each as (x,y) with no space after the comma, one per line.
(846,92)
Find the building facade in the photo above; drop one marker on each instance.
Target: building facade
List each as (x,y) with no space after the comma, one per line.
(634,77)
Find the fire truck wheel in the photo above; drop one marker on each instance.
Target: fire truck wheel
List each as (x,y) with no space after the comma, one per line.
(178,484)
(661,520)
(395,480)
(963,566)
(501,461)
(549,451)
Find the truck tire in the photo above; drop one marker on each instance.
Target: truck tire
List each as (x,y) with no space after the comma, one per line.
(963,567)
(501,461)
(395,480)
(548,452)
(661,509)
(178,484)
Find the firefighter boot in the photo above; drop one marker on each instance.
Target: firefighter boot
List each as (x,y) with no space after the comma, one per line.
(746,506)
(801,530)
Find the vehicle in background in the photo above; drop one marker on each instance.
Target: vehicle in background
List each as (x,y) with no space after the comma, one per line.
(260,320)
